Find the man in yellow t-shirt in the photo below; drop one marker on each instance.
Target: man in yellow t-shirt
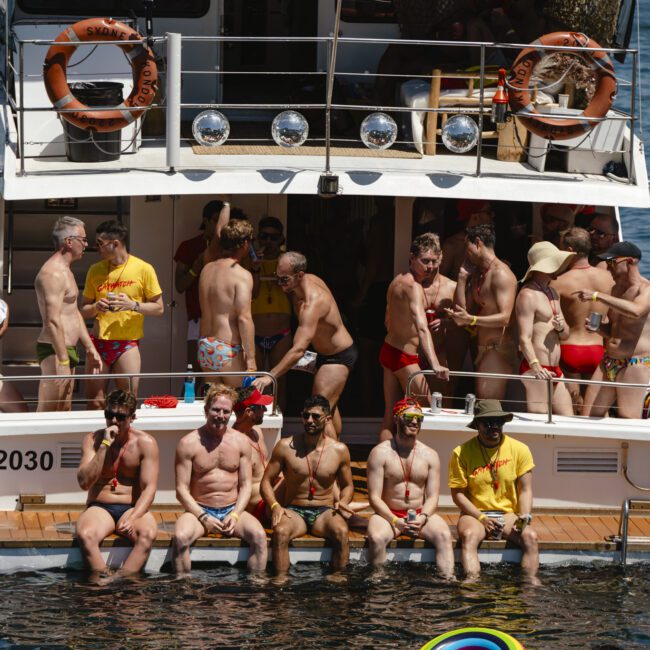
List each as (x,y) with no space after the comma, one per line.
(119,292)
(491,481)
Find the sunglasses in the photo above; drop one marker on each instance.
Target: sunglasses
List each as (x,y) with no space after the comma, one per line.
(81,239)
(316,417)
(615,261)
(257,407)
(497,422)
(283,280)
(120,417)
(598,233)
(100,244)
(268,236)
(409,418)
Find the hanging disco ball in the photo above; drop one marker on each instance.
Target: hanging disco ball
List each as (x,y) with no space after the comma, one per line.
(210,128)
(378,131)
(289,129)
(460,133)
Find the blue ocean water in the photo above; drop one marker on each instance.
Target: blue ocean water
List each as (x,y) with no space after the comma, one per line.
(635,220)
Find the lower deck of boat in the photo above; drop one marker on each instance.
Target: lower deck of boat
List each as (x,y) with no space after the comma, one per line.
(42,538)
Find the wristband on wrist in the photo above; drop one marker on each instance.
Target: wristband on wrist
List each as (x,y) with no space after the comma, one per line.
(483,517)
(533,361)
(136,307)
(202,516)
(235,515)
(394,520)
(106,442)
(193,273)
(275,504)
(64,362)
(594,296)
(474,321)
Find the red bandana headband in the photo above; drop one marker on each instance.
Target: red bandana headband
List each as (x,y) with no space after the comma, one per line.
(404,405)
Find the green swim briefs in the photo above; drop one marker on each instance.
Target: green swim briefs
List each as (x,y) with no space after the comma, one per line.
(45,350)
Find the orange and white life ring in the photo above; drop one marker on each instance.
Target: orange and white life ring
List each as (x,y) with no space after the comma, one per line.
(145,74)
(519,87)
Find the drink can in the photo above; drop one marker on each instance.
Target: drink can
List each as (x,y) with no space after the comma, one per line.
(470,401)
(496,516)
(521,524)
(110,296)
(594,321)
(436,402)
(411,515)
(431,316)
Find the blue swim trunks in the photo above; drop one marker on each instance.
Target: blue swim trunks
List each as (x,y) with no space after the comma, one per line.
(218,513)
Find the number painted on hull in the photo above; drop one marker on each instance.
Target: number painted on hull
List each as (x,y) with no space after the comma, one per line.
(30,460)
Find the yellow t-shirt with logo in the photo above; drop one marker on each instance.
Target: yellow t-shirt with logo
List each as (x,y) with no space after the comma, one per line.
(137,279)
(468,468)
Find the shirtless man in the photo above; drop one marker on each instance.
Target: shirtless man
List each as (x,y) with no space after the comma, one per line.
(249,412)
(312,464)
(582,351)
(408,331)
(63,324)
(542,327)
(11,400)
(403,475)
(119,468)
(484,299)
(627,353)
(472,213)
(120,291)
(603,230)
(448,340)
(225,291)
(319,326)
(213,484)
(190,259)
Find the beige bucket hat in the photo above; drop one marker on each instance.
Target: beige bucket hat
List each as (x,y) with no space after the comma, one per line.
(547,258)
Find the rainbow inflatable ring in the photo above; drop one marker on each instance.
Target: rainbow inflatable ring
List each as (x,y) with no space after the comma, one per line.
(473,638)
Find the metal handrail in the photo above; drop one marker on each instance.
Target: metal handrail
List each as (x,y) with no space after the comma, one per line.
(623,525)
(158,375)
(496,375)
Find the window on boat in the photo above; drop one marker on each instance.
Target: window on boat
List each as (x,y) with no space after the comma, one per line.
(169,8)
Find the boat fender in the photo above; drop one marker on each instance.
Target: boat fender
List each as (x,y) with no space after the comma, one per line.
(473,637)
(561,128)
(145,74)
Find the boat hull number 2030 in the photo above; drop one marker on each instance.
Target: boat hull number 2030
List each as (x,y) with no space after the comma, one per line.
(30,460)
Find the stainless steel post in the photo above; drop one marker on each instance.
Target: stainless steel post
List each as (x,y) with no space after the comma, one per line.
(173,140)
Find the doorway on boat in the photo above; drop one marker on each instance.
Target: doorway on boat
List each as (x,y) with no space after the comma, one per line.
(348,242)
(264,18)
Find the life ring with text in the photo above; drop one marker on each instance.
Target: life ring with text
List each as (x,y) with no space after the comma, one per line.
(145,75)
(473,638)
(519,89)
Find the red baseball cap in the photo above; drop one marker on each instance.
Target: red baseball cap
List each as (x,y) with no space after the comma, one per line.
(254,399)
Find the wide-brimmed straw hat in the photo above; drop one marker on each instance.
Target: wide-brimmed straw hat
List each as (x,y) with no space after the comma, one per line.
(488,409)
(547,258)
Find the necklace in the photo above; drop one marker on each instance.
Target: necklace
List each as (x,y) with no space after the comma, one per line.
(492,466)
(577,268)
(258,449)
(435,298)
(312,475)
(481,279)
(407,477)
(116,464)
(116,284)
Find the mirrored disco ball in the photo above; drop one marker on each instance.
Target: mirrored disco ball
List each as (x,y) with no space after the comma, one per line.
(289,129)
(210,128)
(378,131)
(460,133)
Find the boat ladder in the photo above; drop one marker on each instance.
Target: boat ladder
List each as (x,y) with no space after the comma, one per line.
(623,527)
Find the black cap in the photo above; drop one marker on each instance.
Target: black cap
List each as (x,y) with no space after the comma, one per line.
(271,222)
(621,249)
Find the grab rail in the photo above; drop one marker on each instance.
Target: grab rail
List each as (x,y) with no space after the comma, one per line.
(495,375)
(623,525)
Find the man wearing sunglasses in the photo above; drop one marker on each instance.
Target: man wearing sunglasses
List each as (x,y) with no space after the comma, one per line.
(213,484)
(603,230)
(312,464)
(319,326)
(63,324)
(627,351)
(404,475)
(120,291)
(249,412)
(491,482)
(119,468)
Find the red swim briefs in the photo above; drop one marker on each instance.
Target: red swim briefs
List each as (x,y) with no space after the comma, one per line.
(111,351)
(556,370)
(393,359)
(260,513)
(581,359)
(402,514)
